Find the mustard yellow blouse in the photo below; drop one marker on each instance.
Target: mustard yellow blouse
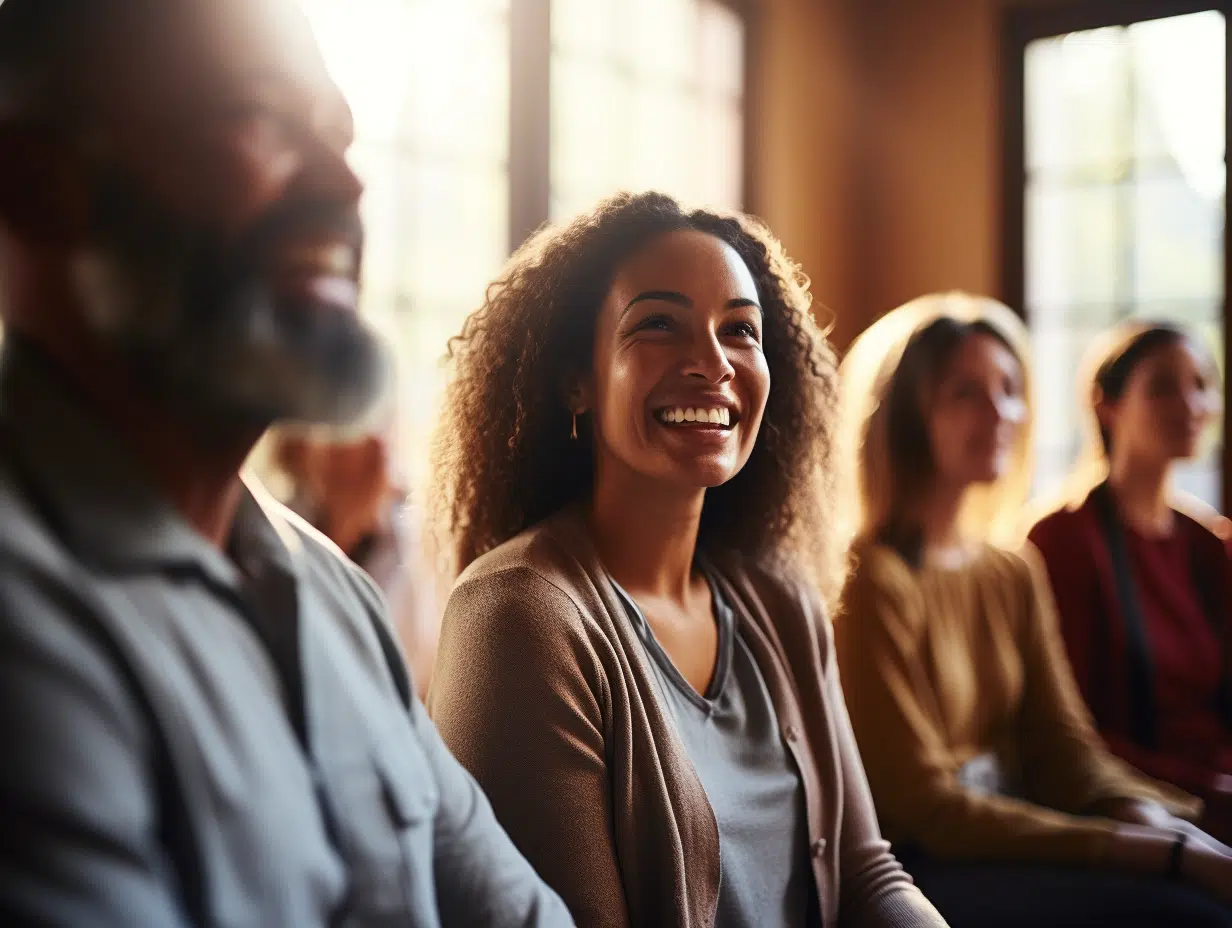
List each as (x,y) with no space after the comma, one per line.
(949,671)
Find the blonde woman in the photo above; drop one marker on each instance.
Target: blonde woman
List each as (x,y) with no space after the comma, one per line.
(984,765)
(1143,588)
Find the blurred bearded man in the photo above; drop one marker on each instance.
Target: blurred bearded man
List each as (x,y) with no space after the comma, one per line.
(205,719)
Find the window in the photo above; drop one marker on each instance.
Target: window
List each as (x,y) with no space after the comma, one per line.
(646,94)
(429,86)
(1122,199)
(633,94)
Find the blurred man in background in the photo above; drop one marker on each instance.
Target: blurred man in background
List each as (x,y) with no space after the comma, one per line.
(353,489)
(204,717)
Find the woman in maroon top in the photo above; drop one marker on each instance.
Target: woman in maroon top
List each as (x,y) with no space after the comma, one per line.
(1143,589)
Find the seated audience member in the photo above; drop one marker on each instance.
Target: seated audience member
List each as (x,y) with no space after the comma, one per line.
(352,490)
(204,719)
(635,462)
(1143,589)
(987,773)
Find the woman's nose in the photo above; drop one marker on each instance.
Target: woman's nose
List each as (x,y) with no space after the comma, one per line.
(708,360)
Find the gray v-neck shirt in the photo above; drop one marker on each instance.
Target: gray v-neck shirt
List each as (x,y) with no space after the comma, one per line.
(731,734)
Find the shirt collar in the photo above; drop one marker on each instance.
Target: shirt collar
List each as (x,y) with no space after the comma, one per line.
(96,495)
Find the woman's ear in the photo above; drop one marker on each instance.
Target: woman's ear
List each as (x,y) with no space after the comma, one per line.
(579,395)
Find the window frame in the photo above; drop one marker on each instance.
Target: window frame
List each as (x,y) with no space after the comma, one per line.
(530,106)
(1020,27)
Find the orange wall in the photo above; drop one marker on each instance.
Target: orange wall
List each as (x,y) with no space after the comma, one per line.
(877,146)
(803,105)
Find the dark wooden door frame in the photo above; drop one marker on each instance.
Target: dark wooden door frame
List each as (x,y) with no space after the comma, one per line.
(1020,27)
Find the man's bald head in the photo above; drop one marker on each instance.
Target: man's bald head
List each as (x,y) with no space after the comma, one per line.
(54,53)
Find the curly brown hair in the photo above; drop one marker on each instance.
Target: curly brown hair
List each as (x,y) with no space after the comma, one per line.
(502,456)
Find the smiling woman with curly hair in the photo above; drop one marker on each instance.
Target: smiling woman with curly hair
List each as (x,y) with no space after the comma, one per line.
(635,470)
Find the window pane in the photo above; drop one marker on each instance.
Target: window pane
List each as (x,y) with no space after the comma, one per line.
(591,144)
(1178,69)
(720,49)
(587,28)
(1072,246)
(663,39)
(1078,114)
(658,108)
(429,85)
(1179,242)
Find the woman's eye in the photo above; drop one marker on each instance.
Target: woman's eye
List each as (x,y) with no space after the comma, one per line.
(658,323)
(745,330)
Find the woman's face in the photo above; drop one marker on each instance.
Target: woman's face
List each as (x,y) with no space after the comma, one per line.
(1168,401)
(680,379)
(976,413)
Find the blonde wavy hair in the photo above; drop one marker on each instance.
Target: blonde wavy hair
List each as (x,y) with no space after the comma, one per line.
(868,377)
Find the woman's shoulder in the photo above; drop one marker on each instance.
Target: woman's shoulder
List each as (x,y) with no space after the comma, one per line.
(881,583)
(877,565)
(539,573)
(1062,524)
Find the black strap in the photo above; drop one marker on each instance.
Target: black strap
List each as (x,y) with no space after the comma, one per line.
(1209,586)
(176,829)
(1141,675)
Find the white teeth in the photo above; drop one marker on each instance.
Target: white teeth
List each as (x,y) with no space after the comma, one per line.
(715,416)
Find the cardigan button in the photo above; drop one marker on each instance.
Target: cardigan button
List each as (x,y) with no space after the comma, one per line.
(819,848)
(791,733)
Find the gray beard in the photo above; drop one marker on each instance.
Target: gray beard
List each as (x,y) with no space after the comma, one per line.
(251,361)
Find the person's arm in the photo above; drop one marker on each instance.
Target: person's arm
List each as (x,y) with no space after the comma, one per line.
(1168,768)
(1065,762)
(79,819)
(515,696)
(911,770)
(481,878)
(874,890)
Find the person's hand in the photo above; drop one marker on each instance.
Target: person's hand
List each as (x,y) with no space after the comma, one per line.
(1209,870)
(1205,863)
(1217,817)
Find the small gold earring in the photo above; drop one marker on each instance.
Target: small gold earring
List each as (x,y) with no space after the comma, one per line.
(573,432)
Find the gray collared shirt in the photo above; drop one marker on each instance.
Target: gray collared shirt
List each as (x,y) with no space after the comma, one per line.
(198,737)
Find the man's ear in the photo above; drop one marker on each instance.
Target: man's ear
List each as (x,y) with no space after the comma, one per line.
(44,195)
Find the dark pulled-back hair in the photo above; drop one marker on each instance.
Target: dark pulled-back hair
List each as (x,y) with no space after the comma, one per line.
(1113,374)
(503,458)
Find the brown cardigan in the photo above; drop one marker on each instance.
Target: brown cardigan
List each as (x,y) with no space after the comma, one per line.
(543,691)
